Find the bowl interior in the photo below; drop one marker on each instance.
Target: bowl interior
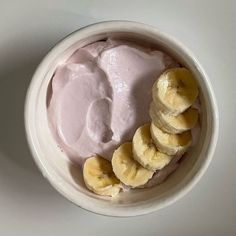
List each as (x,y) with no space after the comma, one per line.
(67,177)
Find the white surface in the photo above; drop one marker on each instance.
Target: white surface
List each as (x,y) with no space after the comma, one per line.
(28,204)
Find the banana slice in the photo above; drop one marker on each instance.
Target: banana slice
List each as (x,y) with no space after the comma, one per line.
(99,177)
(145,151)
(175,91)
(171,144)
(173,124)
(129,171)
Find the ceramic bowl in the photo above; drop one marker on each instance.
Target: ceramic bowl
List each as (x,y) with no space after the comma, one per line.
(67,178)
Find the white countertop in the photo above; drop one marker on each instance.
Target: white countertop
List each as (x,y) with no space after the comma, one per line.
(28,29)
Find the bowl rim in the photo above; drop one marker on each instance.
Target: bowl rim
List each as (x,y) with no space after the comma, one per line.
(117,24)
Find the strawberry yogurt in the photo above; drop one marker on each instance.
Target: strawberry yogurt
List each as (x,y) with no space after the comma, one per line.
(101,95)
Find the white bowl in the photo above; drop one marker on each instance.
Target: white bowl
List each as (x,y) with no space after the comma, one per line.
(66,177)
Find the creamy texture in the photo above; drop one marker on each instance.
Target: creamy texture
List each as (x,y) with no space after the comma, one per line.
(101,95)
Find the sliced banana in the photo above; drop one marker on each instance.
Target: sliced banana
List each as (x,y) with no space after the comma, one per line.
(175,91)
(99,177)
(129,171)
(171,144)
(173,124)
(145,151)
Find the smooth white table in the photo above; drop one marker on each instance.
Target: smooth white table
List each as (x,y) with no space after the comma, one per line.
(28,29)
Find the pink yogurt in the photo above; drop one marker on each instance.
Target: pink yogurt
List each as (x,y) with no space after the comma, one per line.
(101,95)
